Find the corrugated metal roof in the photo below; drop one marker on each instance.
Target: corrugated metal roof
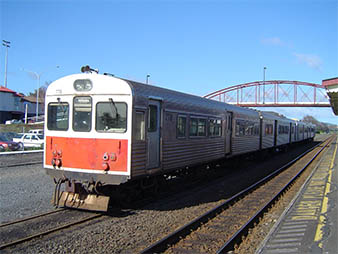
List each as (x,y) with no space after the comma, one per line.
(6,90)
(32,99)
(330,82)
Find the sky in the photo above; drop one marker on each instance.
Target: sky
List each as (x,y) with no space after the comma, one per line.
(195,47)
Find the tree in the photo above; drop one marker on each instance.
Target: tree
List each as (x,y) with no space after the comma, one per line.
(321,127)
(42,93)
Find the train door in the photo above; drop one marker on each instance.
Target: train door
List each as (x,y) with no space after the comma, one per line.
(260,133)
(290,133)
(275,133)
(228,132)
(154,134)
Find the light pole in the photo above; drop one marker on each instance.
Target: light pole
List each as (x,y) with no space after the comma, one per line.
(37,76)
(7,45)
(147,80)
(264,84)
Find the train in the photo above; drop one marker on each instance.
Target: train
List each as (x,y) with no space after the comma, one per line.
(104,132)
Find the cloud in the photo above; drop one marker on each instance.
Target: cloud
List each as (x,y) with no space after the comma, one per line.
(275,41)
(312,61)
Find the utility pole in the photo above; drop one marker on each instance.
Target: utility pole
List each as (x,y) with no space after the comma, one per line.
(264,85)
(37,77)
(7,45)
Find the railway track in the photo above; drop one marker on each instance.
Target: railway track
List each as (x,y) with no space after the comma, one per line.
(15,159)
(24,230)
(221,228)
(21,164)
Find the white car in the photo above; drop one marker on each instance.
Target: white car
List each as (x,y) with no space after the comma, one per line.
(31,140)
(36,131)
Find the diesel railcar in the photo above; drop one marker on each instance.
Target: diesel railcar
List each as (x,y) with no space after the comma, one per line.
(106,131)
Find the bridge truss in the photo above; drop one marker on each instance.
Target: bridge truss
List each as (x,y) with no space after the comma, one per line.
(273,93)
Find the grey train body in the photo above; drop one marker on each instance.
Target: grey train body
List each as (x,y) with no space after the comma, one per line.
(190,130)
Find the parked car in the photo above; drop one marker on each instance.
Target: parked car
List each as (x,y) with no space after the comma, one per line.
(31,140)
(17,136)
(5,143)
(13,121)
(9,135)
(36,131)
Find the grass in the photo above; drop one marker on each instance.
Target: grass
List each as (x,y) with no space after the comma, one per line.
(20,128)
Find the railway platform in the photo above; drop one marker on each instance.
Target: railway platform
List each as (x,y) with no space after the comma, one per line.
(309,224)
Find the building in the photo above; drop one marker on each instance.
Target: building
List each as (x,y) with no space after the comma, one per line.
(13,104)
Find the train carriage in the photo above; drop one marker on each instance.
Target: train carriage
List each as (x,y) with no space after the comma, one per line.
(246,131)
(101,129)
(312,131)
(277,130)
(293,131)
(267,130)
(284,131)
(300,127)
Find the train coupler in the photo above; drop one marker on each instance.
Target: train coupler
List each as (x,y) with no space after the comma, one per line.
(85,201)
(75,196)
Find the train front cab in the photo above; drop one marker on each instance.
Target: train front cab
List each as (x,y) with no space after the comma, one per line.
(87,138)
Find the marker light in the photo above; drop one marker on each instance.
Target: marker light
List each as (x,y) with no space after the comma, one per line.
(83,85)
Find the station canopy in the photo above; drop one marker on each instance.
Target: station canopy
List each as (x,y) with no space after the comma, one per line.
(331,86)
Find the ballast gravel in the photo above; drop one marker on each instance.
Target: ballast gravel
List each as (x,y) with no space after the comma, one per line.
(24,190)
(131,230)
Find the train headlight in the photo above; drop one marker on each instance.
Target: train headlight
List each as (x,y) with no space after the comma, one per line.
(81,85)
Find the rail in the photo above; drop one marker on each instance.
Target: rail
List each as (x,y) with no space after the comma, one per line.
(30,218)
(46,232)
(163,244)
(20,152)
(21,164)
(236,237)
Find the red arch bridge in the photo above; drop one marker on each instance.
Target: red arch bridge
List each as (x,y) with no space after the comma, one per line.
(273,93)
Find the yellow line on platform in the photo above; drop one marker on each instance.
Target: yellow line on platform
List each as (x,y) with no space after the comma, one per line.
(319,231)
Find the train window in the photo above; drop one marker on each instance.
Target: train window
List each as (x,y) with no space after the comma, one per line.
(246,128)
(181,126)
(215,127)
(152,118)
(58,116)
(256,129)
(240,128)
(111,117)
(193,127)
(249,129)
(202,124)
(198,127)
(282,129)
(268,129)
(139,126)
(82,113)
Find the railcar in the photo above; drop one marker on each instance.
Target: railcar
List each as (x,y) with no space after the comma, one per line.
(277,130)
(300,129)
(312,131)
(107,131)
